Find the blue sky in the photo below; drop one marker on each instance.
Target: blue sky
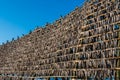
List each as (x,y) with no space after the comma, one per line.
(18,17)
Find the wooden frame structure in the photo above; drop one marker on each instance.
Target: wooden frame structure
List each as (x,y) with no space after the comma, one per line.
(84,44)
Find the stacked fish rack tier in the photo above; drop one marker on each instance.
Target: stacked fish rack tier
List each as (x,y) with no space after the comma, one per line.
(84,44)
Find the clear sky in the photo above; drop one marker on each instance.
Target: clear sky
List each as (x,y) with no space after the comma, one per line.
(18,17)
